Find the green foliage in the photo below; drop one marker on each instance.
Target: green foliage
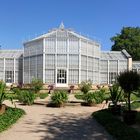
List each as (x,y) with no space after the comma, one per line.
(59,97)
(89,97)
(118,129)
(96,97)
(10,117)
(2,92)
(43,95)
(3,95)
(26,97)
(100,95)
(85,86)
(129,82)
(79,96)
(36,85)
(115,93)
(128,39)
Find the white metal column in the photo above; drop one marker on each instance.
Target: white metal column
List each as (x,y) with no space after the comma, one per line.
(118,70)
(56,60)
(44,57)
(79,61)
(4,69)
(36,64)
(108,71)
(23,67)
(14,71)
(87,59)
(29,68)
(67,59)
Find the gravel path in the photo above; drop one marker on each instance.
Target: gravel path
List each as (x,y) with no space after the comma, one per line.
(68,123)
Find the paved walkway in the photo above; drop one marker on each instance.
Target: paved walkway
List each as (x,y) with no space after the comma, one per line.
(68,123)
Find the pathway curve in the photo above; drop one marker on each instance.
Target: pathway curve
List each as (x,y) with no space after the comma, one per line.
(68,123)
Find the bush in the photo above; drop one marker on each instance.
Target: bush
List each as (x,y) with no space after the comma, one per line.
(3,95)
(59,97)
(119,130)
(115,94)
(85,87)
(96,97)
(89,98)
(100,96)
(36,85)
(26,97)
(10,117)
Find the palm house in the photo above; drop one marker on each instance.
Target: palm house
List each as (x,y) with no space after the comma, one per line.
(62,57)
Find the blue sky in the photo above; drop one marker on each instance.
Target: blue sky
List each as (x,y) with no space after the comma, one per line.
(98,19)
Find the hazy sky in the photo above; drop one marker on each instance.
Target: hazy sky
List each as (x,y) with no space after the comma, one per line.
(99,19)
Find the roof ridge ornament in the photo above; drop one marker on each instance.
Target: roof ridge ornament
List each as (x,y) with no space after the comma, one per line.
(61,25)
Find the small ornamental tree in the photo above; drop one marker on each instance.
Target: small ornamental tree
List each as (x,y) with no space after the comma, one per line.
(85,86)
(129,82)
(36,85)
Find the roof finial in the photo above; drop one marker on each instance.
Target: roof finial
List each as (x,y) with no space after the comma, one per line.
(62,25)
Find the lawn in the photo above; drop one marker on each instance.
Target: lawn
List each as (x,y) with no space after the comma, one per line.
(118,129)
(10,117)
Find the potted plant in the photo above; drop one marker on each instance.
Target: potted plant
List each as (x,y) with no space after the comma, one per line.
(3,97)
(115,93)
(129,82)
(58,98)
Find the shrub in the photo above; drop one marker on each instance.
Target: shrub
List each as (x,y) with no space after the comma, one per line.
(10,117)
(85,86)
(59,97)
(118,129)
(36,85)
(100,95)
(3,95)
(115,94)
(26,97)
(89,98)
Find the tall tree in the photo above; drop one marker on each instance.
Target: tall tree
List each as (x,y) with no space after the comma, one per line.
(128,39)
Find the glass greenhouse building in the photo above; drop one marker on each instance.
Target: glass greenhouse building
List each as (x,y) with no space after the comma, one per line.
(63,57)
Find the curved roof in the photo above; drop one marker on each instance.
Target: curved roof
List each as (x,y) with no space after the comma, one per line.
(11,53)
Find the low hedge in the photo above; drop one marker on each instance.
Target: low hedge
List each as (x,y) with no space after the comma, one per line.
(10,117)
(118,129)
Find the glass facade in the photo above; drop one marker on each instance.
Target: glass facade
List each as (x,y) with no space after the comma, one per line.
(11,66)
(64,57)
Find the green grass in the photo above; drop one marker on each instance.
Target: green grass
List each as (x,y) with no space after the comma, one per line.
(79,96)
(115,127)
(43,95)
(10,117)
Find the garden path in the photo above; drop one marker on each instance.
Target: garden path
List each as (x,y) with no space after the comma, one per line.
(45,123)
